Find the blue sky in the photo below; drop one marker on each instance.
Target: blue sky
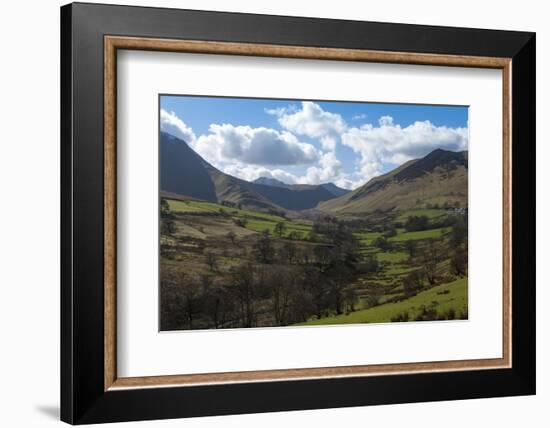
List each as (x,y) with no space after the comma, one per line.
(311,142)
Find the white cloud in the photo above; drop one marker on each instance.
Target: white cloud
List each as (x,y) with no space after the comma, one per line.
(385,121)
(389,143)
(251,173)
(173,125)
(313,122)
(279,111)
(250,153)
(347,183)
(328,170)
(258,146)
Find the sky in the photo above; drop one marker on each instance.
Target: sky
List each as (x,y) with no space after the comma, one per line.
(311,142)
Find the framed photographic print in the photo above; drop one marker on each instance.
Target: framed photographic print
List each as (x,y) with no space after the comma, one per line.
(266,213)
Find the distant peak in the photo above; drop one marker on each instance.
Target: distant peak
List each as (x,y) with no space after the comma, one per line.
(269,181)
(334,189)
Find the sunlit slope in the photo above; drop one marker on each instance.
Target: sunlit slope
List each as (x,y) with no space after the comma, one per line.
(438,178)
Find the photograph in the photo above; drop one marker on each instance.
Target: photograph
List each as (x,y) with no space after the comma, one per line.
(304,212)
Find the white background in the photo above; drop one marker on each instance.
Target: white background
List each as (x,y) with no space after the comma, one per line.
(29,224)
(142,351)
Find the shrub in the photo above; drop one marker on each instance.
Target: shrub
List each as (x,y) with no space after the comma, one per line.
(450,314)
(426,314)
(390,232)
(416,223)
(241,222)
(402,317)
(383,243)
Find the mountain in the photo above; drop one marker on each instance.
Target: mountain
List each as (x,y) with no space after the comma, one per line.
(439,177)
(294,197)
(334,189)
(185,173)
(270,182)
(331,187)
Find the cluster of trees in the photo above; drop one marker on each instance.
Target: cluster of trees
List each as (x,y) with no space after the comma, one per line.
(429,313)
(446,205)
(280,285)
(255,295)
(429,257)
(167,223)
(432,252)
(458,244)
(416,223)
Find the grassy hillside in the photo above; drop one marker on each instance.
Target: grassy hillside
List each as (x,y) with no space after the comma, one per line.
(447,301)
(437,179)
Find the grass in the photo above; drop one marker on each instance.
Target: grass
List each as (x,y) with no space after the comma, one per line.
(430,213)
(290,226)
(201,207)
(422,234)
(366,238)
(255,221)
(456,298)
(190,207)
(396,269)
(393,257)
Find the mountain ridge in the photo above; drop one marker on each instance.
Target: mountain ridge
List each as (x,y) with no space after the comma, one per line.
(185,172)
(440,176)
(331,187)
(414,184)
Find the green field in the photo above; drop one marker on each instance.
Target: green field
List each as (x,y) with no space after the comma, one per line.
(255,221)
(290,226)
(402,235)
(456,298)
(199,207)
(366,238)
(432,214)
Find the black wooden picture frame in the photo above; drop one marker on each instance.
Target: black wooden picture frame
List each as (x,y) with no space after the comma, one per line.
(84,398)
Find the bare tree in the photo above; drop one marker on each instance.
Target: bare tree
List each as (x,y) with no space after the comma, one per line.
(413,282)
(430,259)
(280,228)
(211,260)
(190,291)
(263,248)
(410,246)
(318,288)
(173,314)
(167,226)
(213,301)
(280,285)
(323,254)
(231,236)
(289,252)
(339,277)
(350,298)
(164,207)
(244,289)
(459,262)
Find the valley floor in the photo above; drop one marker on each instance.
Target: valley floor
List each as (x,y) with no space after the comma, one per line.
(223,266)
